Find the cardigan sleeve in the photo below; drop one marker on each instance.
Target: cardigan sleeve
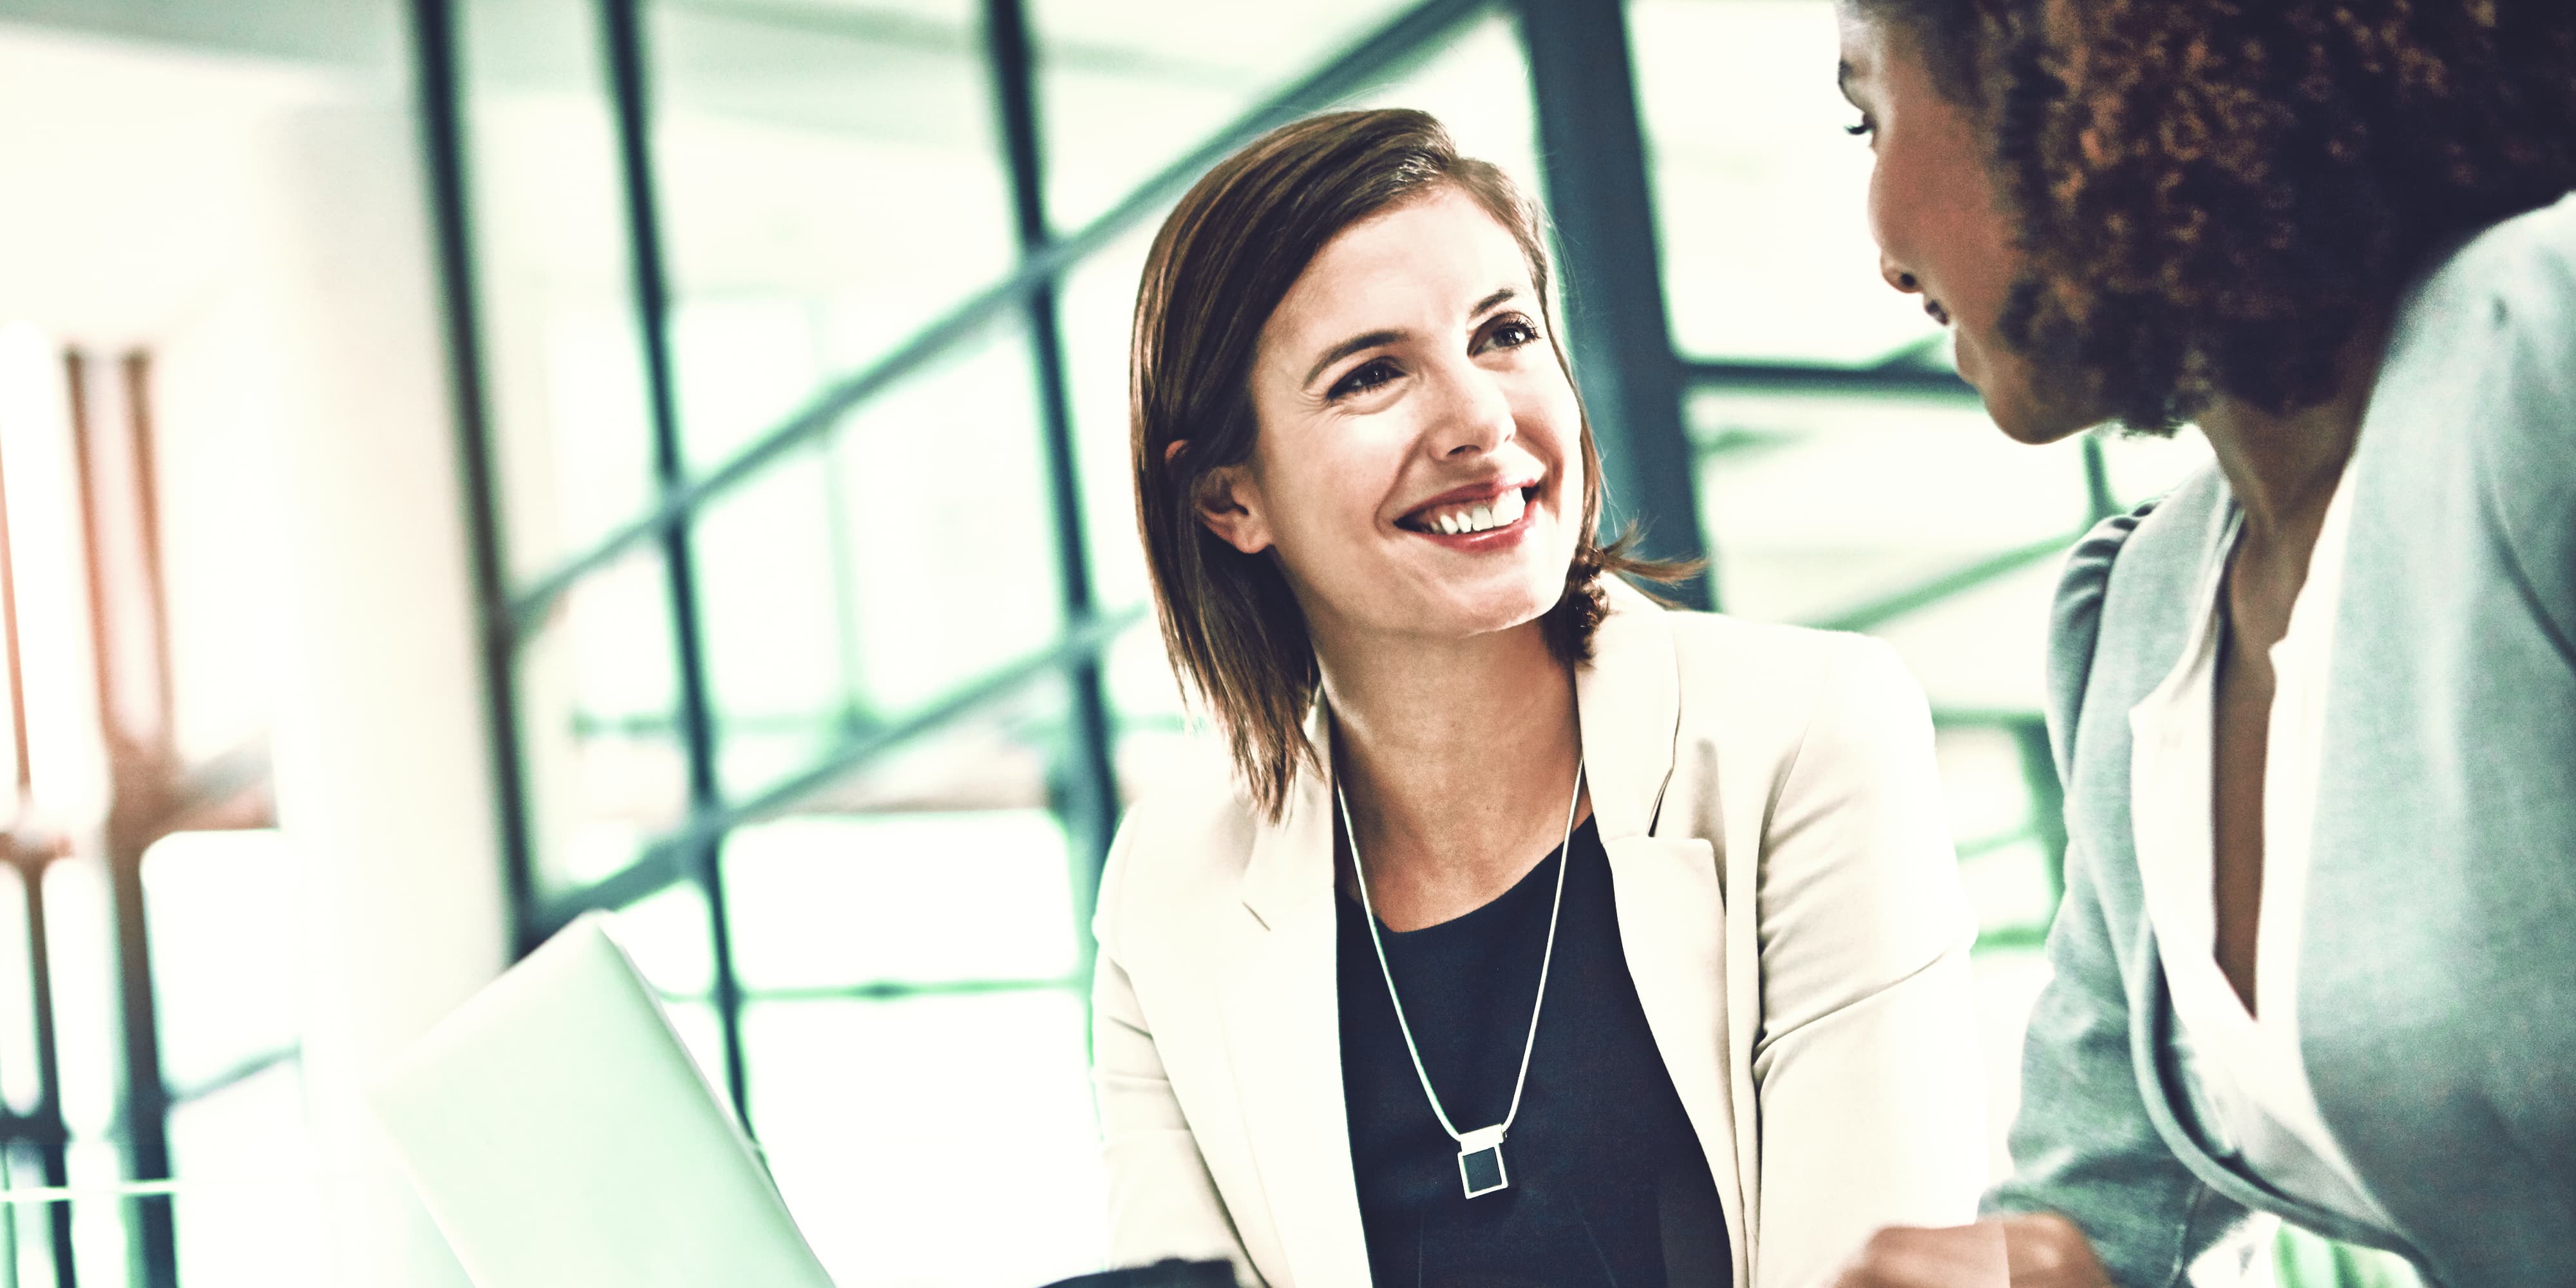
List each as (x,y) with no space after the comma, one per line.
(1868,1079)
(2083,1145)
(2524,441)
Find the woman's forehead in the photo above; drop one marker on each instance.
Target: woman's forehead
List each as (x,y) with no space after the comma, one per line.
(1424,260)
(1877,47)
(1861,32)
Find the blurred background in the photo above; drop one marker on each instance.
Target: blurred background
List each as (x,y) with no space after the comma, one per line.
(470,462)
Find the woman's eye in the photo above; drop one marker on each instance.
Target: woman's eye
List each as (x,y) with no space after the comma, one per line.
(1509,333)
(1367,376)
(1862,126)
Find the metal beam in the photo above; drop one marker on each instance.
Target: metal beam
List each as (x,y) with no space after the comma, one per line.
(235,1074)
(31,862)
(51,1138)
(443,151)
(1387,47)
(659,863)
(895,990)
(2097,480)
(622,23)
(1816,378)
(1941,586)
(1089,786)
(1594,154)
(131,810)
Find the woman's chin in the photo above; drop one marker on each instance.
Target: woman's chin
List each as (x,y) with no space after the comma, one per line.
(2014,400)
(2035,431)
(1492,609)
(1451,613)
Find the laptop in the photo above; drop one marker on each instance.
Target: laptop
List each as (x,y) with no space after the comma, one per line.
(561,1136)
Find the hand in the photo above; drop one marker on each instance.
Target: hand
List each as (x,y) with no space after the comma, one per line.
(2039,1250)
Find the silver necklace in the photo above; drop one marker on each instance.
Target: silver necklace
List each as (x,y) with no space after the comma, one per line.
(1480,1152)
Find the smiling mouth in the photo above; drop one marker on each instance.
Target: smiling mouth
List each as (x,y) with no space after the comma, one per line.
(1460,518)
(1938,314)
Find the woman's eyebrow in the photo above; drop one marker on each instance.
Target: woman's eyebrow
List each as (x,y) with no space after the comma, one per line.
(1372,339)
(1350,346)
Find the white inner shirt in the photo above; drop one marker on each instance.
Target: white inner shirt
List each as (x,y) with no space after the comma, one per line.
(2247,1070)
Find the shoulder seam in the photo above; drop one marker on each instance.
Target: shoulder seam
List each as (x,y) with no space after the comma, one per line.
(1846,644)
(2125,525)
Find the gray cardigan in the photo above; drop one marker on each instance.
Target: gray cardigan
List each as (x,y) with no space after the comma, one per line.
(2437,990)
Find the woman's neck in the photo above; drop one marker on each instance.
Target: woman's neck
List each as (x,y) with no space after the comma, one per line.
(1457,757)
(2282,467)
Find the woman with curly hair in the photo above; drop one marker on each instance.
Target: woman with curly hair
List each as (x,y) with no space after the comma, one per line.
(2315,709)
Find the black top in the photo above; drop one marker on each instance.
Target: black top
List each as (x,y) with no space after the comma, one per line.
(1608,1186)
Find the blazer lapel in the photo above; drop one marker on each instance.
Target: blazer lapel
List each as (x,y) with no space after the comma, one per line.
(1672,927)
(1672,913)
(1628,700)
(1283,1030)
(2151,1044)
(1283,1023)
(2152,1021)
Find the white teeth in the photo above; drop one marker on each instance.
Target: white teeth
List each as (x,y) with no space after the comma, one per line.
(1501,512)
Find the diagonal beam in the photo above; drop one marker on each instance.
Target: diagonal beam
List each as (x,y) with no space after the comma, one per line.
(1370,59)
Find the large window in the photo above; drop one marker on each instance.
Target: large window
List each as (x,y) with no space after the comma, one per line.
(799,329)
(148,1038)
(801,339)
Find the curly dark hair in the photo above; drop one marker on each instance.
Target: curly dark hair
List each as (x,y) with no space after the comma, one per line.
(1957,38)
(2215,195)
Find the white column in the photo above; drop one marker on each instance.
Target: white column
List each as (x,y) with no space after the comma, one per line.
(383,757)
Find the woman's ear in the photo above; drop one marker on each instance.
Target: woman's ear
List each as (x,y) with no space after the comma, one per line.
(1229,503)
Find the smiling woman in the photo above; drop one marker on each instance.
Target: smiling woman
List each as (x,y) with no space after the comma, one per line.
(1544,935)
(1354,338)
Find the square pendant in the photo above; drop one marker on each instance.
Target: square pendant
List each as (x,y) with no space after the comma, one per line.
(1480,1161)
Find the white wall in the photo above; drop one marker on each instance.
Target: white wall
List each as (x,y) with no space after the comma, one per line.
(383,766)
(264,225)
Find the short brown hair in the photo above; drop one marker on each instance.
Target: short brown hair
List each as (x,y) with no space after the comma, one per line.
(1218,269)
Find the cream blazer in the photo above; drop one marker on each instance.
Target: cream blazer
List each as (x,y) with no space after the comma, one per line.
(1791,913)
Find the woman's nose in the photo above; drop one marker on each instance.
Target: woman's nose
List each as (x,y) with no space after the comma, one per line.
(1897,277)
(1478,417)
